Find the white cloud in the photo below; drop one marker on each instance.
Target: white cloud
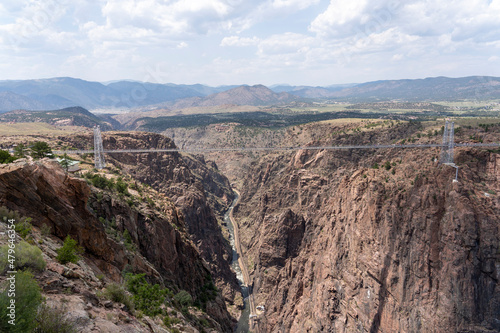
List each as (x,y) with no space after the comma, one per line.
(464,19)
(338,14)
(168,18)
(295,4)
(273,39)
(239,41)
(284,44)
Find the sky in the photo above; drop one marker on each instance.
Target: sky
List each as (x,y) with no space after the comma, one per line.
(225,42)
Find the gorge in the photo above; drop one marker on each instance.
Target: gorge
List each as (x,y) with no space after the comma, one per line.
(332,241)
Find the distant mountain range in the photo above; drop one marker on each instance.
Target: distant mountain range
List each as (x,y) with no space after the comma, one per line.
(56,93)
(430,89)
(311,92)
(72,116)
(64,92)
(257,95)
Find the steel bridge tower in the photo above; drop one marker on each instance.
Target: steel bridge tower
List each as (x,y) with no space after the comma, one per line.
(448,143)
(448,146)
(98,150)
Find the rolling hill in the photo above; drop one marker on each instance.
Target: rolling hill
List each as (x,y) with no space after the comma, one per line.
(72,116)
(257,95)
(429,89)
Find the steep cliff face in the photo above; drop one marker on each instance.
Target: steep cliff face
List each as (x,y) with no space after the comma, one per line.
(193,185)
(162,239)
(199,191)
(44,192)
(335,245)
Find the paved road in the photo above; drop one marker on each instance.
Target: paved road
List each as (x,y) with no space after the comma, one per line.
(244,270)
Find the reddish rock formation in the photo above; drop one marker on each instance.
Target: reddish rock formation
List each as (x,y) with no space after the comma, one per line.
(337,246)
(43,191)
(197,188)
(187,181)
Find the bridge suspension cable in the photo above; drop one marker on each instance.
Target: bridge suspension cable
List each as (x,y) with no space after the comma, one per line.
(267,149)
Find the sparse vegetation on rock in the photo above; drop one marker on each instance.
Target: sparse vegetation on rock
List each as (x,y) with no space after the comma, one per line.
(26,256)
(54,320)
(27,300)
(6,157)
(69,252)
(117,293)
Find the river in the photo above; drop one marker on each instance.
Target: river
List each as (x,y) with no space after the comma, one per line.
(243,326)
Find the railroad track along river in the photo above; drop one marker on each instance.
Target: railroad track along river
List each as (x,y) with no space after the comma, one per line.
(254,324)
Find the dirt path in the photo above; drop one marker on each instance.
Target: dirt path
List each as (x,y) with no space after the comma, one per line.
(244,270)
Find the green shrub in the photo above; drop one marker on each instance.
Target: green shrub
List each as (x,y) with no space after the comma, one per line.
(117,293)
(23,227)
(27,299)
(387,165)
(22,224)
(53,320)
(183,298)
(208,293)
(20,150)
(167,321)
(121,187)
(45,230)
(204,322)
(65,162)
(7,214)
(69,252)
(40,149)
(375,166)
(26,256)
(100,181)
(127,237)
(147,298)
(5,157)
(129,244)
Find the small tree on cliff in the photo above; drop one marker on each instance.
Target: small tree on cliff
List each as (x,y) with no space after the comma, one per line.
(5,157)
(69,252)
(20,150)
(40,149)
(65,162)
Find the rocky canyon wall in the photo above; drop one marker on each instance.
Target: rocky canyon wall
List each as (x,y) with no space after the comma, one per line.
(336,245)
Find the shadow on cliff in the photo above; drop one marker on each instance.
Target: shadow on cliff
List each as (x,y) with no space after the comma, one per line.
(383,293)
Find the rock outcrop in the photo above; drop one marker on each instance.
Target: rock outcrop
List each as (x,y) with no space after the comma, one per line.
(185,180)
(200,192)
(335,245)
(43,191)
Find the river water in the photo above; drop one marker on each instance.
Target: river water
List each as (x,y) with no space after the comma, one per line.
(243,326)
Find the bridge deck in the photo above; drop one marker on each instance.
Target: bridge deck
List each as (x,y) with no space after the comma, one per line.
(259,149)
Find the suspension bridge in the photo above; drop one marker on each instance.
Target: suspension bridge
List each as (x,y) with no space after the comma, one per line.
(447,148)
(446,157)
